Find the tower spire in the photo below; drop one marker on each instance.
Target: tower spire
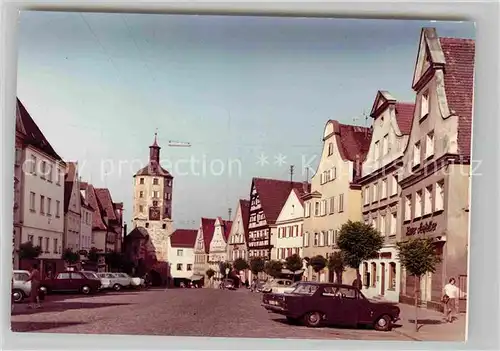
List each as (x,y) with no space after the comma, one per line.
(154,150)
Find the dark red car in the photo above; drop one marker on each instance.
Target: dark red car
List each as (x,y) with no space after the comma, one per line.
(317,304)
(83,282)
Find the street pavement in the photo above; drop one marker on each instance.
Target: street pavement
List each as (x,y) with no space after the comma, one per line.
(179,312)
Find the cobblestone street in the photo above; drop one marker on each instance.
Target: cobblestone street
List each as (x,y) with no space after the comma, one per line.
(178,312)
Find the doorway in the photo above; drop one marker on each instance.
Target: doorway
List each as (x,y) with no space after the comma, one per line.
(382,279)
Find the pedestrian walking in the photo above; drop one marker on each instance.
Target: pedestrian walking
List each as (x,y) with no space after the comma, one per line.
(34,278)
(450,300)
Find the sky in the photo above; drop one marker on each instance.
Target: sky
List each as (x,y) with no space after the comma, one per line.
(250,94)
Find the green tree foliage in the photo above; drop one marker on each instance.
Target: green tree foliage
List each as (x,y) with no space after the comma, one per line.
(28,251)
(293,263)
(70,257)
(418,256)
(257,265)
(273,268)
(93,255)
(336,265)
(222,268)
(359,242)
(318,263)
(240,264)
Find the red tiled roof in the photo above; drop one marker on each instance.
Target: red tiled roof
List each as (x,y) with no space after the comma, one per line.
(353,143)
(106,203)
(245,214)
(34,135)
(404,116)
(97,222)
(208,227)
(459,85)
(153,169)
(273,194)
(306,188)
(183,238)
(84,203)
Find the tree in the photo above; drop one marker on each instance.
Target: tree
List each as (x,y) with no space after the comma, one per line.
(418,256)
(115,260)
(240,264)
(257,265)
(210,273)
(223,266)
(336,265)
(93,255)
(358,242)
(28,251)
(293,263)
(273,268)
(70,257)
(318,263)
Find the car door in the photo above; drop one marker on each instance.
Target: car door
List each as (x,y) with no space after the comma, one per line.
(347,312)
(62,282)
(77,280)
(330,303)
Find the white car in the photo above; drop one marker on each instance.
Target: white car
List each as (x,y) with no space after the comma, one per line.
(134,281)
(283,289)
(105,283)
(110,281)
(272,285)
(21,288)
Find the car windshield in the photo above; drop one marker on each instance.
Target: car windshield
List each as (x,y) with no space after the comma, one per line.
(90,275)
(305,289)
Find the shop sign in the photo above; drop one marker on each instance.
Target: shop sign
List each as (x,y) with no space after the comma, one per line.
(424,228)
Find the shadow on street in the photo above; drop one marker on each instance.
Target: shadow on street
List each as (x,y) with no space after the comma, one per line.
(422,322)
(64,306)
(17,327)
(361,327)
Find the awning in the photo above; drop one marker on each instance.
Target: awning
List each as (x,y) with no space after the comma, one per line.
(196,277)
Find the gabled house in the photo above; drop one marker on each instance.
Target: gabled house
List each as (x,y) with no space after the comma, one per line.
(85,226)
(267,197)
(290,222)
(335,195)
(238,237)
(181,255)
(218,246)
(109,217)
(201,250)
(381,192)
(435,176)
(40,219)
(72,208)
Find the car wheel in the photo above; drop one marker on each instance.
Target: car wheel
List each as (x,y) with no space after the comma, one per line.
(86,289)
(312,319)
(17,295)
(383,323)
(117,287)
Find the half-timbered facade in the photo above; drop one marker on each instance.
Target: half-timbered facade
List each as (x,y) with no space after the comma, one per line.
(381,192)
(435,177)
(267,197)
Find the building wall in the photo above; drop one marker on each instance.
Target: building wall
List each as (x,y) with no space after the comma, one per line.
(218,250)
(326,221)
(43,222)
(289,238)
(185,258)
(200,256)
(85,229)
(237,246)
(259,233)
(72,227)
(98,240)
(18,203)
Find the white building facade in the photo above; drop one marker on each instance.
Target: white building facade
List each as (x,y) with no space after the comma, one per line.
(382,194)
(72,209)
(290,221)
(86,213)
(218,246)
(181,254)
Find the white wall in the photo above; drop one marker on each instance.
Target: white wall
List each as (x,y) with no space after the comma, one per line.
(85,229)
(289,222)
(183,256)
(46,223)
(237,238)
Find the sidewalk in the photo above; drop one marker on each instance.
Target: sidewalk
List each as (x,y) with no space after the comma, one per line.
(431,325)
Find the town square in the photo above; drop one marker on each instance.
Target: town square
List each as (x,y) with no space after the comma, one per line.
(155,222)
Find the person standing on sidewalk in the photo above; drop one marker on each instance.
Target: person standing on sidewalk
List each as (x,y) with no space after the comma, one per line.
(450,300)
(34,278)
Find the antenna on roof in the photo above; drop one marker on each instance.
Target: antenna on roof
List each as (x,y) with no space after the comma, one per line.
(291,173)
(229,210)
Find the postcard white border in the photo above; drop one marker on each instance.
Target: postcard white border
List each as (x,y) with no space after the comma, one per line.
(483,274)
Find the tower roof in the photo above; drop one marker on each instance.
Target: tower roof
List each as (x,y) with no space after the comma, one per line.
(153,168)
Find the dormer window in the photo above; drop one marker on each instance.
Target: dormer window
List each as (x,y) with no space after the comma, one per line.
(424,104)
(141,180)
(155,181)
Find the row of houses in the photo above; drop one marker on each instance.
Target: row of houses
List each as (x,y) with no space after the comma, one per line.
(53,208)
(408,175)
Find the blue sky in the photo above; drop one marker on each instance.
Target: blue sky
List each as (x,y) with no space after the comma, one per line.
(99,85)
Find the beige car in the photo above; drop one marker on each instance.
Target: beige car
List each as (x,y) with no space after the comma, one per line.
(276,284)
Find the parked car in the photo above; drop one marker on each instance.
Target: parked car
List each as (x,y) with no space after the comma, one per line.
(84,282)
(113,281)
(227,284)
(21,289)
(275,283)
(316,304)
(282,289)
(258,285)
(132,281)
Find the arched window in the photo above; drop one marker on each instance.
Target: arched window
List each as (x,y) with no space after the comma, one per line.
(374,274)
(392,276)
